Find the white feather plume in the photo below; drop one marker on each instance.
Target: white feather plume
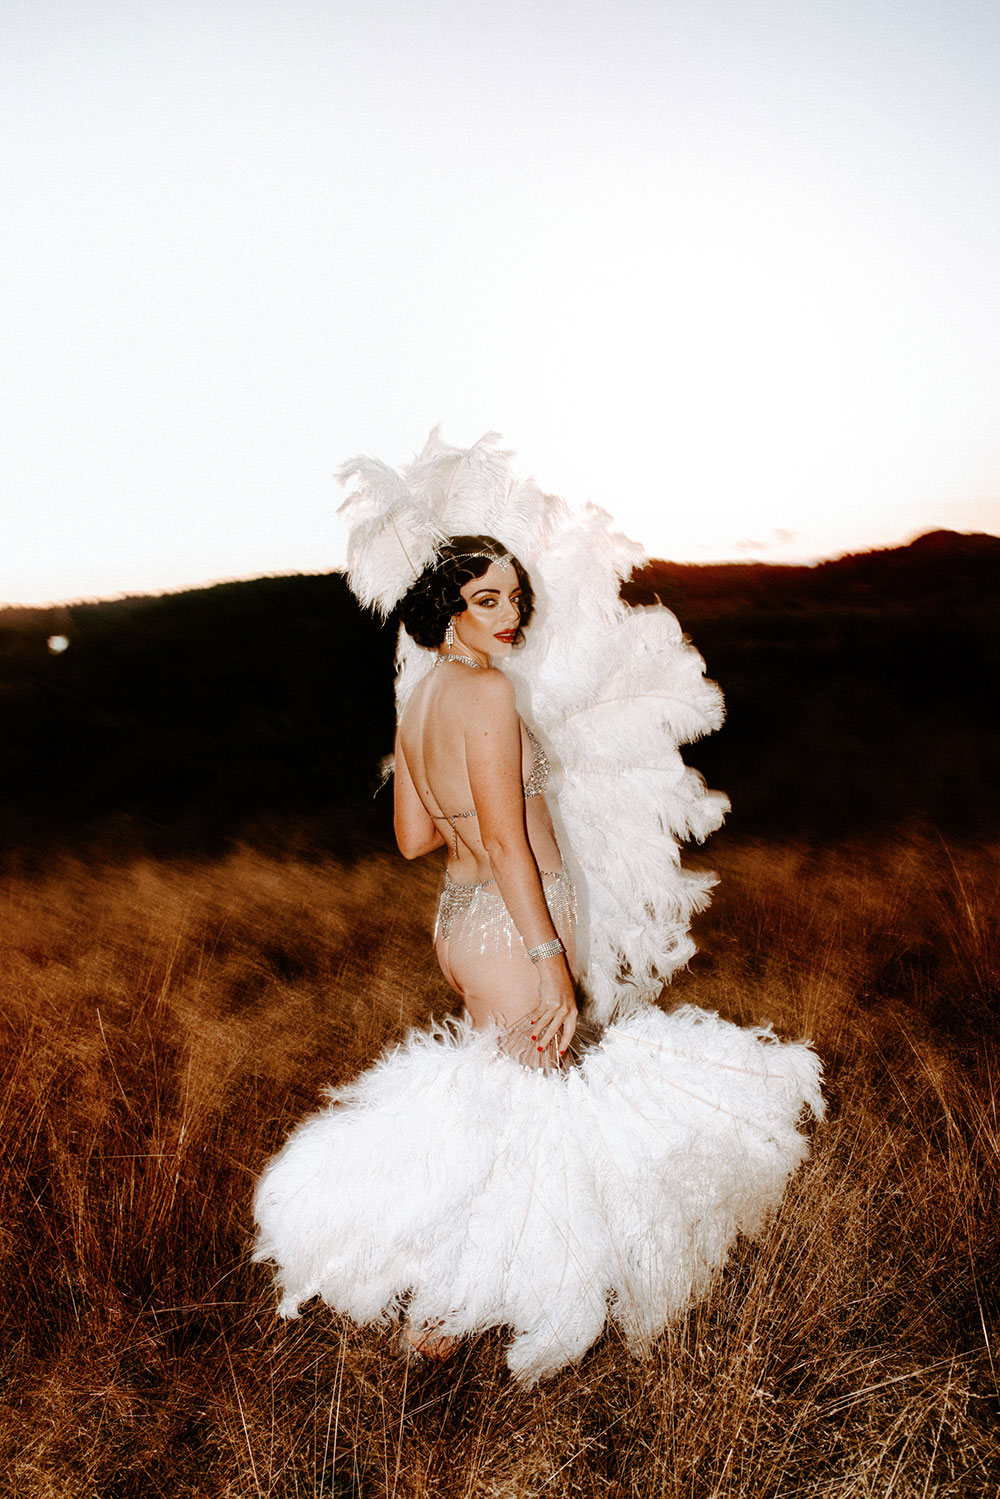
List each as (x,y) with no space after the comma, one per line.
(611,690)
(482,1194)
(397,520)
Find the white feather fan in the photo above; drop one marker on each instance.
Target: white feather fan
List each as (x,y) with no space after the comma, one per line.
(611,690)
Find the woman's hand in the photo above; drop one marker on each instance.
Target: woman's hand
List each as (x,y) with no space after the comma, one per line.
(554,1016)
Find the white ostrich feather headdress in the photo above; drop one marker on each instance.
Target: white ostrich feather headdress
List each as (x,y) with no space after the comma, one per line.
(398,520)
(612,690)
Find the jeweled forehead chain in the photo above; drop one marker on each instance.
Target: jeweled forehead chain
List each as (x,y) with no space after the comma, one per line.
(501,562)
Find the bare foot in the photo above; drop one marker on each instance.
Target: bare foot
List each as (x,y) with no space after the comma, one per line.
(427,1342)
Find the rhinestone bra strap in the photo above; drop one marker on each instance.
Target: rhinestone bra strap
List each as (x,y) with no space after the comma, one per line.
(538,779)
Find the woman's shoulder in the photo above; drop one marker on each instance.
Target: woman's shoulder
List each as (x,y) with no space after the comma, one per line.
(463,693)
(486,687)
(483,688)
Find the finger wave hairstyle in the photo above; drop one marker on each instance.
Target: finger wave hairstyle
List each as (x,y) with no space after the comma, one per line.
(430,602)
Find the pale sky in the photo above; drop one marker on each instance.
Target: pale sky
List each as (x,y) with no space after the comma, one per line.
(731,269)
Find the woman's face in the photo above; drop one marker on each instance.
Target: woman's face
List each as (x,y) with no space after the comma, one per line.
(492,614)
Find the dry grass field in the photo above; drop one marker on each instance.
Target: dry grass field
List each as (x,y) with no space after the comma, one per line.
(163,1024)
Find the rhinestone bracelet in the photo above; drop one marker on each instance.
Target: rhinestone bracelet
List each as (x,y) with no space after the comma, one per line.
(545,950)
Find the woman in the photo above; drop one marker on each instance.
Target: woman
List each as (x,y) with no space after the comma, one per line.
(504,933)
(451,1181)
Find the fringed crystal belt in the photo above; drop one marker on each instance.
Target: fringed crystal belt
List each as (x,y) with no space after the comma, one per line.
(475,915)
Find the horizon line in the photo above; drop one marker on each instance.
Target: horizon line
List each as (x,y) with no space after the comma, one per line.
(81,600)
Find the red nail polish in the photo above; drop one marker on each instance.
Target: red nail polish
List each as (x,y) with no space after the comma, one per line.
(534,1038)
(541,1048)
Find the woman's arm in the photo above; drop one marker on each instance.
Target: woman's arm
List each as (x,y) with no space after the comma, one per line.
(493,757)
(416,831)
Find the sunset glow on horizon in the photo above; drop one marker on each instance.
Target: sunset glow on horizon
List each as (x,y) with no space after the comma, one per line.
(729,272)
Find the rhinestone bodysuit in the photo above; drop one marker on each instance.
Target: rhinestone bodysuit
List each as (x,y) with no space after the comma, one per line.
(475,914)
(476,917)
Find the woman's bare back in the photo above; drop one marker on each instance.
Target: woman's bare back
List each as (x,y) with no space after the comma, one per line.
(433,735)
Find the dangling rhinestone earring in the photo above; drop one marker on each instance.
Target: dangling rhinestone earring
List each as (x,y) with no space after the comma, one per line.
(449,634)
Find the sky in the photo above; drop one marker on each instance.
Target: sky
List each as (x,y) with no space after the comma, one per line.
(730,269)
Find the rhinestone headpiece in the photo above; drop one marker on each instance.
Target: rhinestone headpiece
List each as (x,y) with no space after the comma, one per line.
(502,562)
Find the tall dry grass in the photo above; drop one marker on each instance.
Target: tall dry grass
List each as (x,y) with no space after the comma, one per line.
(163,1025)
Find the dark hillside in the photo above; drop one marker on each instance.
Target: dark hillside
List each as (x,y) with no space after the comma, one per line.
(186,720)
(940,569)
(861,694)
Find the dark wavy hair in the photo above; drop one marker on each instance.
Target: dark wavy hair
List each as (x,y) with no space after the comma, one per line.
(430,602)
